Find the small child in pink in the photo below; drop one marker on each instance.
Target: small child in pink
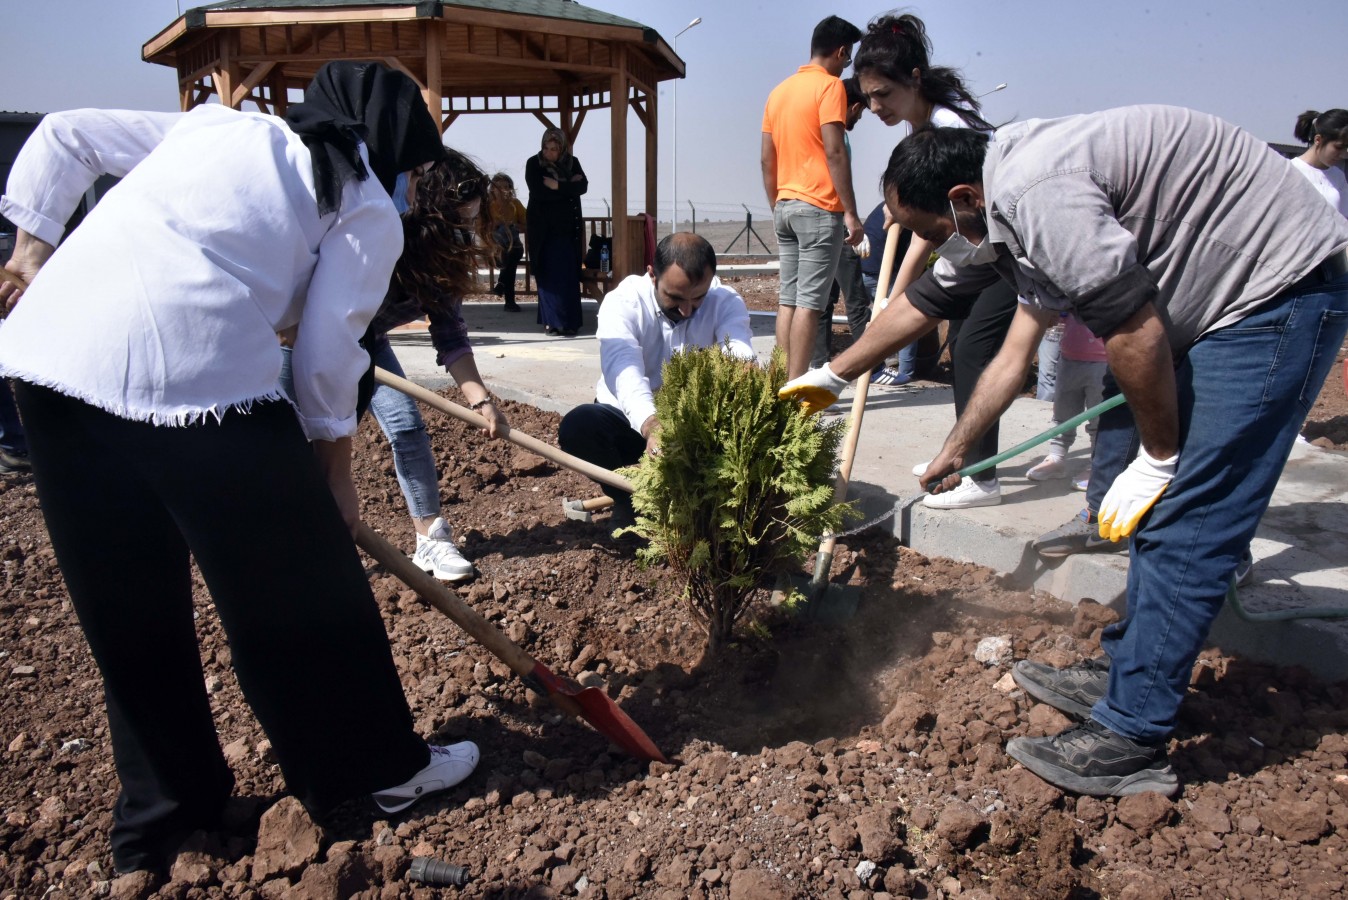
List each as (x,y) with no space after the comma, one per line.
(1081,374)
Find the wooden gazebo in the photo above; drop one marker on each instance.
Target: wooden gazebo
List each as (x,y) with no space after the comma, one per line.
(554,59)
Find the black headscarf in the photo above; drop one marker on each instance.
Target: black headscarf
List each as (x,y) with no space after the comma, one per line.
(350,102)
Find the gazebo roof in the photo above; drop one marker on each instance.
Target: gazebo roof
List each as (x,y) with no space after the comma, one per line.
(490,48)
(548,9)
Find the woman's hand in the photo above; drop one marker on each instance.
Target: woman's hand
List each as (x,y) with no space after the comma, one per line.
(550,183)
(29,255)
(497,426)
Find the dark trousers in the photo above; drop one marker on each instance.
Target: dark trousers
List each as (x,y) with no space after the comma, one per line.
(974,341)
(510,265)
(11,429)
(125,504)
(600,434)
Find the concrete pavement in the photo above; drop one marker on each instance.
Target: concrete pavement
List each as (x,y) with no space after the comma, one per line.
(1300,553)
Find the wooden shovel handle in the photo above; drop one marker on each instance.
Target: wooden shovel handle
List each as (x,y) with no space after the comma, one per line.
(435,593)
(533,445)
(849,448)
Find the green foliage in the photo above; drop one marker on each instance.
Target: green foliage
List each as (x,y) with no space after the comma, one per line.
(743,485)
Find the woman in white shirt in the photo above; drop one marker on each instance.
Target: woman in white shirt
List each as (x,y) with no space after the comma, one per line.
(1326,137)
(146,368)
(893,65)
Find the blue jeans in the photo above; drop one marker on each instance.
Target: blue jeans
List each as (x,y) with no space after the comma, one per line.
(1244,392)
(12,438)
(1049,354)
(1116,444)
(401,422)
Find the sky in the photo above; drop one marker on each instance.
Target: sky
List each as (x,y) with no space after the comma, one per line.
(1255,63)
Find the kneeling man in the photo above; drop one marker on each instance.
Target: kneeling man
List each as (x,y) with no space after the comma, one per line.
(678,304)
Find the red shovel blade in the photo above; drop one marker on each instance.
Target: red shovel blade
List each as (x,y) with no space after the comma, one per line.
(597,708)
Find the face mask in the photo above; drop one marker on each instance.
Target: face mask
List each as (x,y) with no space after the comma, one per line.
(960,251)
(400,193)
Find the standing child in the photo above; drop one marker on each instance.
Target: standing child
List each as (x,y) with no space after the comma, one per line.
(1080,384)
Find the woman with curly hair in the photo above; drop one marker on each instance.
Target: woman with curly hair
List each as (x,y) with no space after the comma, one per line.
(893,66)
(145,360)
(449,199)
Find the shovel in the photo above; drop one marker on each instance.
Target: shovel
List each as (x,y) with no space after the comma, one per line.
(590,704)
(579,510)
(834,603)
(532,444)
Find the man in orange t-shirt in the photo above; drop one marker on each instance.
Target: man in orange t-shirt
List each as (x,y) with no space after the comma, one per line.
(808,179)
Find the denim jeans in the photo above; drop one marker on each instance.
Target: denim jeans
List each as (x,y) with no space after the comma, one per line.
(1116,444)
(1244,392)
(809,240)
(401,422)
(11,430)
(849,283)
(1077,387)
(1049,354)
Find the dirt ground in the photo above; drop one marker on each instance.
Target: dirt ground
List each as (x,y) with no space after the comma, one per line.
(846,761)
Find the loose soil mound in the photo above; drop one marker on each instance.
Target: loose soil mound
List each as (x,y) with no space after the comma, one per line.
(857,760)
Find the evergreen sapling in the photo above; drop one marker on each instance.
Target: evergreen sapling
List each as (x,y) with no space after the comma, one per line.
(742,487)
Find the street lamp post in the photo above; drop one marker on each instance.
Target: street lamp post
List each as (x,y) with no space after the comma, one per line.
(674,192)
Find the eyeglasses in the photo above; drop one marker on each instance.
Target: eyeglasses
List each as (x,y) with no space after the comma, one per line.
(847,56)
(464,190)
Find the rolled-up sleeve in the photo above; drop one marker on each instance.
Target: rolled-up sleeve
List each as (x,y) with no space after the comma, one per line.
(355,260)
(1070,233)
(66,154)
(948,292)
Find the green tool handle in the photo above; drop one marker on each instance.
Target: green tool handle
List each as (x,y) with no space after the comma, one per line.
(1098,409)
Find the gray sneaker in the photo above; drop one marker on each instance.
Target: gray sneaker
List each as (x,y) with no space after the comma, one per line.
(1090,759)
(1072,690)
(12,462)
(1080,535)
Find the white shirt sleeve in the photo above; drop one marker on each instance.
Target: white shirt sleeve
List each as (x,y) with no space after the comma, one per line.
(733,325)
(66,155)
(622,359)
(355,261)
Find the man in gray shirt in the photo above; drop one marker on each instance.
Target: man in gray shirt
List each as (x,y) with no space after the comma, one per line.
(1220,287)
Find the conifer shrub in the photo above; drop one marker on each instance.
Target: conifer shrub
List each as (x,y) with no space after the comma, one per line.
(742,487)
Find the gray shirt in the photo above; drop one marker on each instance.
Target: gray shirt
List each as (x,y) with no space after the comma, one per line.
(1103,213)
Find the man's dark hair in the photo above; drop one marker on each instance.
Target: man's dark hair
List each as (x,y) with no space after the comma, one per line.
(688,251)
(854,92)
(831,34)
(930,161)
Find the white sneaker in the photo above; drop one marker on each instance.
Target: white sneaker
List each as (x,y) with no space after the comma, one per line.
(437,555)
(969,494)
(1051,467)
(448,766)
(921,468)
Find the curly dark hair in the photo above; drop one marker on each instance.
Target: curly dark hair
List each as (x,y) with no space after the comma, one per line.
(442,251)
(895,44)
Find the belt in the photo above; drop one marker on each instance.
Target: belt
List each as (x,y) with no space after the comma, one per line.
(1332,268)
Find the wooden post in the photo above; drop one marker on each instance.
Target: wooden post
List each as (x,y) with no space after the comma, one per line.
(652,154)
(435,32)
(225,74)
(618,108)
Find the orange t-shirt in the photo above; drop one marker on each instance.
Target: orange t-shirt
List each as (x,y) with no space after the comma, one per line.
(796,111)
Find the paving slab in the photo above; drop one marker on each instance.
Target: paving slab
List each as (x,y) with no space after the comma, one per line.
(1301,550)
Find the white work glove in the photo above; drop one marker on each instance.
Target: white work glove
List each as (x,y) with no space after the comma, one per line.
(864,248)
(1133,493)
(817,389)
